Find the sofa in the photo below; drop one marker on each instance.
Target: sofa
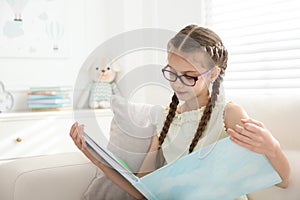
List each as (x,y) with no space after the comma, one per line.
(67,176)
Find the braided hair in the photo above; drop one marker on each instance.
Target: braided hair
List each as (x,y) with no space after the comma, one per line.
(190,39)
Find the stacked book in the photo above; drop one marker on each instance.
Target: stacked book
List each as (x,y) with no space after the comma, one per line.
(49,98)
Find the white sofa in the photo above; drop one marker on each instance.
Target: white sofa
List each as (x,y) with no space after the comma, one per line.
(67,176)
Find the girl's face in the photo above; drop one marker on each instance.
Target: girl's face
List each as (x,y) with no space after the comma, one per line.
(181,66)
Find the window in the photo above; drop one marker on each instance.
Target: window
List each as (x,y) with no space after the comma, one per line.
(263,40)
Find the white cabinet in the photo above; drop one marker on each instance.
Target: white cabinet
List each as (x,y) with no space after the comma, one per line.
(45,133)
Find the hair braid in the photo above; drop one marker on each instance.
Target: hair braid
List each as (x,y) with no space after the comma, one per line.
(219,55)
(206,113)
(169,119)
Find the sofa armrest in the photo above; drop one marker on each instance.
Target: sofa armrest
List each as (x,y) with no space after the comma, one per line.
(290,193)
(60,177)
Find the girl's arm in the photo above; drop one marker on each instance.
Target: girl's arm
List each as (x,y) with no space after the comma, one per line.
(76,134)
(149,163)
(254,136)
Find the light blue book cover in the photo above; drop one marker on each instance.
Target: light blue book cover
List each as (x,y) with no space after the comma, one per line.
(226,172)
(35,97)
(222,170)
(53,105)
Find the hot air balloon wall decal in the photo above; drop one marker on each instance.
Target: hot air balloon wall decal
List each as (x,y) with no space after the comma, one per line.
(55,32)
(33,28)
(17,6)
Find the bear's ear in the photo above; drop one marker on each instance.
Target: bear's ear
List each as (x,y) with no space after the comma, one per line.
(115,66)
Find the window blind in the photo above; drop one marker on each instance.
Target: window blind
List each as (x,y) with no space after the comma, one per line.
(263,41)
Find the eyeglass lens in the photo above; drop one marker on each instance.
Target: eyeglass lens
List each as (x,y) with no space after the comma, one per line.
(172,76)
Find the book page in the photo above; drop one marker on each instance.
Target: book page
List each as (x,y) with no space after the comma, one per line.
(115,162)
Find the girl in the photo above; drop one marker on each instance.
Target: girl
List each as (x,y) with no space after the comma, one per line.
(197,60)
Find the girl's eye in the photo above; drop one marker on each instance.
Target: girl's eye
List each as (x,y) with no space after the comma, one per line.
(189,77)
(172,71)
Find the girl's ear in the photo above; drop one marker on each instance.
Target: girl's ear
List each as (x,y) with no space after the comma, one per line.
(215,73)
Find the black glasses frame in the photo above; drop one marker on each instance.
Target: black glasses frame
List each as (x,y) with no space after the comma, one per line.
(195,78)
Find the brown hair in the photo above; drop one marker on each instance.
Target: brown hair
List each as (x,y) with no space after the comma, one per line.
(190,39)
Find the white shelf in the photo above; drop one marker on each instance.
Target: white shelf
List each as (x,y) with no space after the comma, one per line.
(54,114)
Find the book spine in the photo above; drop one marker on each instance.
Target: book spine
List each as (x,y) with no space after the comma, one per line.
(33,97)
(54,105)
(54,88)
(49,101)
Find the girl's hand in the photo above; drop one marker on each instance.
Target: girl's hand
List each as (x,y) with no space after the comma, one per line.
(76,133)
(254,136)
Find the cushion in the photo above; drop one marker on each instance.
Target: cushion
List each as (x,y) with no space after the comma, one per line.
(132,128)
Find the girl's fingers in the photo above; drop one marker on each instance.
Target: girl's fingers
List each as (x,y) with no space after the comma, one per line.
(255,129)
(241,143)
(76,133)
(245,136)
(240,137)
(241,130)
(80,136)
(250,120)
(73,128)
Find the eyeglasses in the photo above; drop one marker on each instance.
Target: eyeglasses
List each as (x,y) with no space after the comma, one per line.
(185,79)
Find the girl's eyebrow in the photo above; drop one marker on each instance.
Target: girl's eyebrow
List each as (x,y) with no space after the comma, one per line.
(183,71)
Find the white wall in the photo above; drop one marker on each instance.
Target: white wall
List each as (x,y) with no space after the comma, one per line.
(90,23)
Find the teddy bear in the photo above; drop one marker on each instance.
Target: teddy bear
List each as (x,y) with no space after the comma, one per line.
(103,85)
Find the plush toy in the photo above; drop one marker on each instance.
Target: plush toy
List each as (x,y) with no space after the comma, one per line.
(103,85)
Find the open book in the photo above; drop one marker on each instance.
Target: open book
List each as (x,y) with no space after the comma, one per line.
(227,172)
